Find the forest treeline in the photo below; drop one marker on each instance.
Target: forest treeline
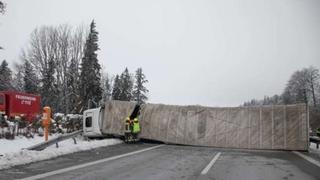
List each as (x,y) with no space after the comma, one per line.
(302,87)
(61,64)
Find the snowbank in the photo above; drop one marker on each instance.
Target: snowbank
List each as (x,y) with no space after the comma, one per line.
(12,154)
(313,149)
(20,142)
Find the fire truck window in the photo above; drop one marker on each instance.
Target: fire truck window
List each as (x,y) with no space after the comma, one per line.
(88,121)
(1,100)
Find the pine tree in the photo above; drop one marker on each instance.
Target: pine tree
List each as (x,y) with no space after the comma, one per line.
(107,88)
(116,91)
(72,87)
(2,7)
(5,76)
(126,85)
(30,79)
(90,89)
(48,89)
(17,80)
(140,91)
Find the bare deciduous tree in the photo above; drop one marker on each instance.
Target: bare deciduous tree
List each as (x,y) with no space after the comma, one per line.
(313,82)
(60,48)
(302,86)
(17,79)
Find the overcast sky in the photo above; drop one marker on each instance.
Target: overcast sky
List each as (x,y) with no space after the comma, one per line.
(207,52)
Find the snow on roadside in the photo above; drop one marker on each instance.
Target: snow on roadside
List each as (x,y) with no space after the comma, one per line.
(20,142)
(23,156)
(313,149)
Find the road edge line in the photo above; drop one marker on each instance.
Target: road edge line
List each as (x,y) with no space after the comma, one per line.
(309,159)
(211,163)
(71,168)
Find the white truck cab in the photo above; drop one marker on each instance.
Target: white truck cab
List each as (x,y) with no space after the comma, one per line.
(92,122)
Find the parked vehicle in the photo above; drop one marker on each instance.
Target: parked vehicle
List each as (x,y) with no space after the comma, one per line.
(17,104)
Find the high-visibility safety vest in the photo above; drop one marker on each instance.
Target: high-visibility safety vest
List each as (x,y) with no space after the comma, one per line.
(136,125)
(127,125)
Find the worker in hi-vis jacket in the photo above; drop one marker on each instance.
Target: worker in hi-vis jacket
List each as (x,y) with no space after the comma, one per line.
(135,129)
(127,130)
(132,126)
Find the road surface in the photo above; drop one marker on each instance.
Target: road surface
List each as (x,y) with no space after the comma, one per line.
(151,161)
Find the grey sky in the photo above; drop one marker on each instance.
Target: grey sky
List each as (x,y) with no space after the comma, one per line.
(218,53)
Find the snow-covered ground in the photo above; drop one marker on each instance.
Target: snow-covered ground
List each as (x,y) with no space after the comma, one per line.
(313,149)
(313,146)
(12,152)
(20,142)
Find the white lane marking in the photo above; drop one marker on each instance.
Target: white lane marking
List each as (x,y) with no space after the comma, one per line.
(207,168)
(59,171)
(313,161)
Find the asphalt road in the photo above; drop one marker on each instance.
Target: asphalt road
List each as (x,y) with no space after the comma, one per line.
(169,162)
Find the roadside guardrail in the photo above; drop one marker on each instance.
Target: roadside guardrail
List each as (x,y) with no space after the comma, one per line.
(56,140)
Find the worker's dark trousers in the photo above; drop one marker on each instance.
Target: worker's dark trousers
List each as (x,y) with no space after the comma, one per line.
(135,136)
(127,137)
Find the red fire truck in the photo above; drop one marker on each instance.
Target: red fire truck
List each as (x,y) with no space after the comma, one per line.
(26,106)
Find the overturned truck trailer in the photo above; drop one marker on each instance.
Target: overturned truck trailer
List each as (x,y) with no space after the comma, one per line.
(282,127)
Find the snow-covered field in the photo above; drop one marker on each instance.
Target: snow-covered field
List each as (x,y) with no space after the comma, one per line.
(12,152)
